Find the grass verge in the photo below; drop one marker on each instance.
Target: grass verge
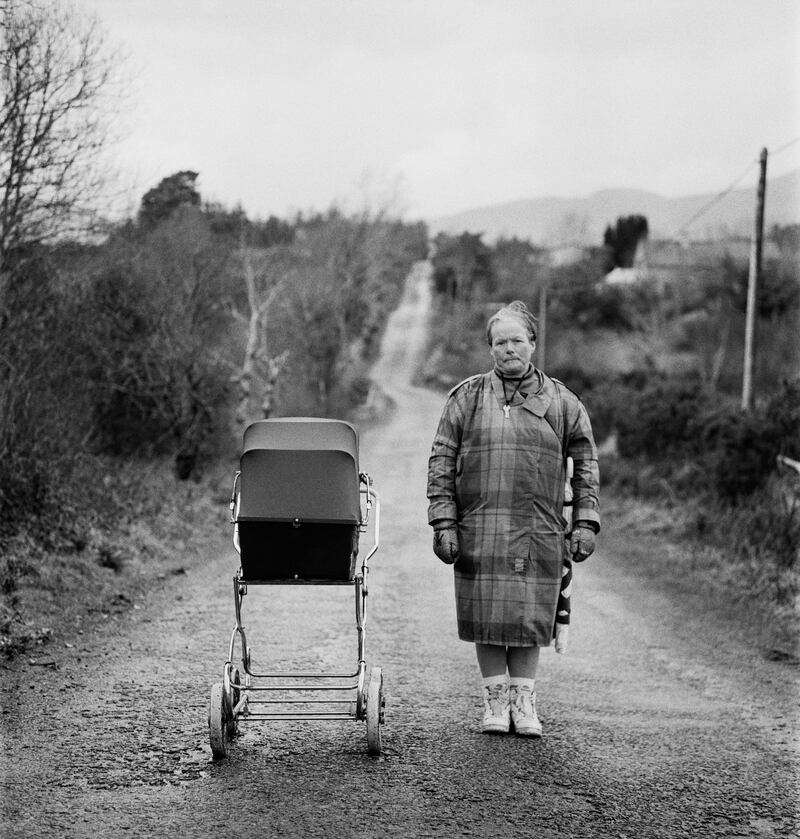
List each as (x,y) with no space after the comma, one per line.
(150,527)
(654,539)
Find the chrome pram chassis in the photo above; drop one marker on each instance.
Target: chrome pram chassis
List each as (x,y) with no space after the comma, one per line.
(298,506)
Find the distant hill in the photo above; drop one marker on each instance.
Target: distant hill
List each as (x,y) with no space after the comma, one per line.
(551,221)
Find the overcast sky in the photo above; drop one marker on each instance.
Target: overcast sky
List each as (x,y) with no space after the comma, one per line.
(438,106)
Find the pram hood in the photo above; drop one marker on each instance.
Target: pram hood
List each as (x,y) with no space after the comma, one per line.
(301,469)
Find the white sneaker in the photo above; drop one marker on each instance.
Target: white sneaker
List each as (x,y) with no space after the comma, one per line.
(523,712)
(497,711)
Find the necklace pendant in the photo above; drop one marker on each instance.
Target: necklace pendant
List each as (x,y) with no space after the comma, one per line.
(507,410)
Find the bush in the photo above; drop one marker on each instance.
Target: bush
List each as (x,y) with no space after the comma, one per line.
(673,425)
(738,455)
(740,449)
(660,421)
(782,416)
(43,414)
(606,400)
(159,382)
(673,422)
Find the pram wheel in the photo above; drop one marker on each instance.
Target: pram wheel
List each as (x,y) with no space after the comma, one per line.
(234,695)
(375,705)
(219,721)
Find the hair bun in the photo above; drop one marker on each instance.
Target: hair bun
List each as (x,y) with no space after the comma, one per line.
(515,309)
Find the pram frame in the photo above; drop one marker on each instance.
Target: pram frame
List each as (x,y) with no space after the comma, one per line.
(233,701)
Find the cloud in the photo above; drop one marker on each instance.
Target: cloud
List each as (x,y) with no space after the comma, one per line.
(470,102)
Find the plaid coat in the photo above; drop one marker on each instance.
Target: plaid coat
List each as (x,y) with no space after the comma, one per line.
(500,479)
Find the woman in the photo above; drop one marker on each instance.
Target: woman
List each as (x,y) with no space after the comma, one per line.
(496,491)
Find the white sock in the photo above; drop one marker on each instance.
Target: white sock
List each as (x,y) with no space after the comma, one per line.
(491,681)
(519,682)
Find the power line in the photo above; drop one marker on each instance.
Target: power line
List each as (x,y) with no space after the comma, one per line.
(717,198)
(784,146)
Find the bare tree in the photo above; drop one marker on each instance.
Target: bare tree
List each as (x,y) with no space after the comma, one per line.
(55,77)
(263,283)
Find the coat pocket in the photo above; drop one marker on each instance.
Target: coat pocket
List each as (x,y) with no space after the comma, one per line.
(546,555)
(472,539)
(473,506)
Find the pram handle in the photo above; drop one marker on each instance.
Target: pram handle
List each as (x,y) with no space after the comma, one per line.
(372,498)
(233,504)
(365,479)
(234,497)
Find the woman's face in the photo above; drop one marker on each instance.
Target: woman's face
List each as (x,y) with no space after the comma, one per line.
(511,348)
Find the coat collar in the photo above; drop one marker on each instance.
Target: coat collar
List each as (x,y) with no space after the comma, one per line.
(537,401)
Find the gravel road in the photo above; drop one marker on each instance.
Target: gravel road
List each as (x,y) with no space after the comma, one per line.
(660,721)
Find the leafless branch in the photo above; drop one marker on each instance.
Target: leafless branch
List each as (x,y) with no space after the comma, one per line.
(55,69)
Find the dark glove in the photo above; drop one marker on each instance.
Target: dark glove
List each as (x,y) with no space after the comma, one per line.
(581,542)
(445,544)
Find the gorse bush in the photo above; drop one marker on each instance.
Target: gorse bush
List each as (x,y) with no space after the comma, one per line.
(740,449)
(670,421)
(782,413)
(739,452)
(660,421)
(654,416)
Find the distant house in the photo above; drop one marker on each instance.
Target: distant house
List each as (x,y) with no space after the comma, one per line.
(637,272)
(567,254)
(623,276)
(665,261)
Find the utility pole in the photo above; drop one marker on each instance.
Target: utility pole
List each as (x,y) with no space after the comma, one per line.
(541,321)
(541,340)
(752,285)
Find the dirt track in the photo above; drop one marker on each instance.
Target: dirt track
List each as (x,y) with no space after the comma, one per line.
(659,722)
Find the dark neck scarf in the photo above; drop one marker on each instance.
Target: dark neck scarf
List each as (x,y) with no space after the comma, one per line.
(529,382)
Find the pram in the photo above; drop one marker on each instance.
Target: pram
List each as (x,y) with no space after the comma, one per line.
(298,505)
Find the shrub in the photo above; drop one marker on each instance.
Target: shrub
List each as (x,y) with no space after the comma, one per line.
(159,382)
(606,400)
(740,449)
(659,421)
(782,417)
(738,455)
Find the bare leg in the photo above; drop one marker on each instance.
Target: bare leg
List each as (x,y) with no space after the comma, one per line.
(491,660)
(522,662)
